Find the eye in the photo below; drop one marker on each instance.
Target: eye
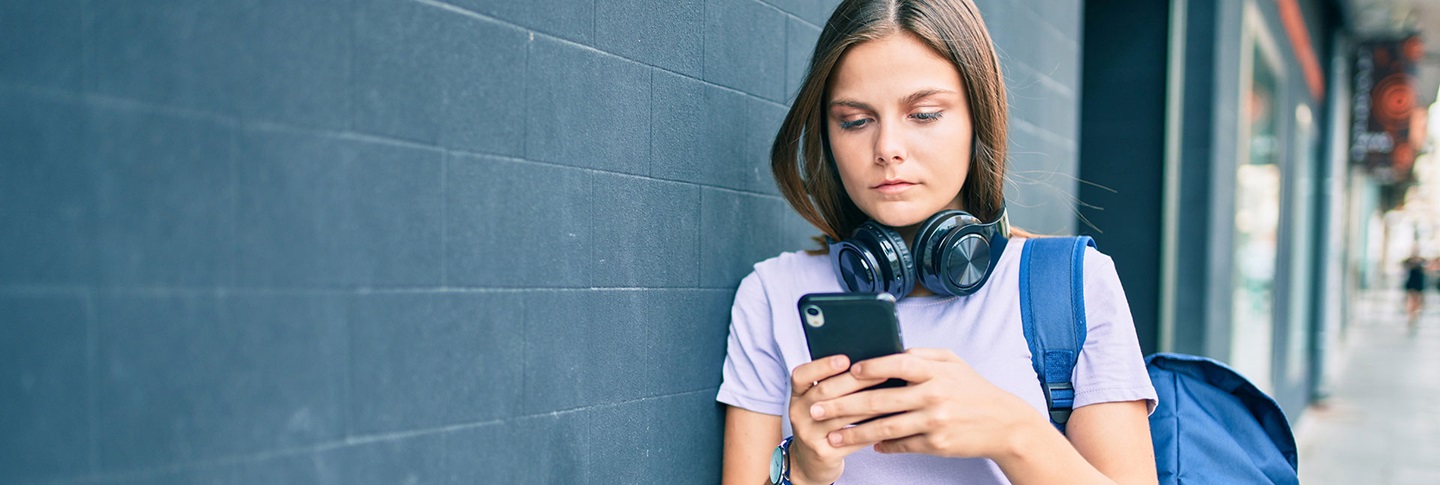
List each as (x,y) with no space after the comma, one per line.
(930,116)
(850,125)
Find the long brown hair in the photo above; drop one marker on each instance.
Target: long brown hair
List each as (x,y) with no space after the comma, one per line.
(800,158)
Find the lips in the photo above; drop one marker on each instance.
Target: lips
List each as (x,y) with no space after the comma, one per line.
(893,186)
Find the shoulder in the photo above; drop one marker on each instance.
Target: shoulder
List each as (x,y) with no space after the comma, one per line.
(1095,260)
(795,269)
(1017,247)
(784,277)
(1097,272)
(1098,262)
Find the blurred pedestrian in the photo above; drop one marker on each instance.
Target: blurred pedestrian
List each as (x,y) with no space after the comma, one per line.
(1414,287)
(1433,268)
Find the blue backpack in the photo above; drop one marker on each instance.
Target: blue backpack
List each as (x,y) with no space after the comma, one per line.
(1210,426)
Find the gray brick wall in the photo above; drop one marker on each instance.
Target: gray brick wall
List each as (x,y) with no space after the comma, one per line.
(1039,45)
(405,241)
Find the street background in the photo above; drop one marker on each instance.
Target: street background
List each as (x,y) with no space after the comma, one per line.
(1379,425)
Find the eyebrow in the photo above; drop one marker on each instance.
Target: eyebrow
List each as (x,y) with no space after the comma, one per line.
(919,95)
(912,98)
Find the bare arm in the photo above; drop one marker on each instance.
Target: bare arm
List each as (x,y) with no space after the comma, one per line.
(1115,438)
(750,438)
(1111,444)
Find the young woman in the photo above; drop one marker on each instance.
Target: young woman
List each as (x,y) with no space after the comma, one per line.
(902,116)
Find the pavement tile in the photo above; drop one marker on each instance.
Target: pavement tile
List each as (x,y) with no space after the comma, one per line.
(1379,425)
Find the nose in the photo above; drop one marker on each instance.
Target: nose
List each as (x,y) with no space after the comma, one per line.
(889,147)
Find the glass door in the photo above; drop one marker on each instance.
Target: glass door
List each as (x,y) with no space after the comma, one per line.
(1257,214)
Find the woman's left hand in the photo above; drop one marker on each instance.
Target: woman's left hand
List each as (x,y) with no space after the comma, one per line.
(947,410)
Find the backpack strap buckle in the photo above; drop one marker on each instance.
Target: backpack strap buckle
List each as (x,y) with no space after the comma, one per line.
(1061,398)
(1052,311)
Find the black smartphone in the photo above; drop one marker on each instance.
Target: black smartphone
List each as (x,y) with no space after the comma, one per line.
(860,325)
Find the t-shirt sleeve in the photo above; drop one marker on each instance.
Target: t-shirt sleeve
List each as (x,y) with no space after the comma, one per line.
(755,375)
(1110,368)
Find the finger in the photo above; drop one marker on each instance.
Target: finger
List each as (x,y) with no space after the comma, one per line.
(909,444)
(839,385)
(806,375)
(827,433)
(943,355)
(890,428)
(821,450)
(868,403)
(906,366)
(823,428)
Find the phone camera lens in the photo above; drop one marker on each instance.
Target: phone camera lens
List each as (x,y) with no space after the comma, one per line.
(813,316)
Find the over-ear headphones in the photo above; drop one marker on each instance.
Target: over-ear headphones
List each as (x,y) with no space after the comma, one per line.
(953,254)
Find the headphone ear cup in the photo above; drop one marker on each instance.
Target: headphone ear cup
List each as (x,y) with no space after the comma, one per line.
(874,259)
(927,244)
(964,261)
(905,277)
(934,253)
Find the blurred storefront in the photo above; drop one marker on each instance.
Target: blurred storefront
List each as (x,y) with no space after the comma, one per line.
(1259,143)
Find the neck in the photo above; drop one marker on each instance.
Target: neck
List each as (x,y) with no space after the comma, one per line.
(920,290)
(907,234)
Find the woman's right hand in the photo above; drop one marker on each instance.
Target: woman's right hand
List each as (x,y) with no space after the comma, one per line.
(812,459)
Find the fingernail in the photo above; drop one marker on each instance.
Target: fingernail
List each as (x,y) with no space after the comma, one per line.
(834,439)
(855,369)
(816,411)
(837,362)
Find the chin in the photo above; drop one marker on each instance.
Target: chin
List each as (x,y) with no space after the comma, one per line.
(899,216)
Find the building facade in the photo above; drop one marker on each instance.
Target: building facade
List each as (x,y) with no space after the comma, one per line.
(1218,136)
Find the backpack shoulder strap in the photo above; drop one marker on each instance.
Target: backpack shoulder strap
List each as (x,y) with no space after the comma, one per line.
(1052,309)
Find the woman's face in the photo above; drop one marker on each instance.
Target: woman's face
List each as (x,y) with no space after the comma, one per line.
(900,131)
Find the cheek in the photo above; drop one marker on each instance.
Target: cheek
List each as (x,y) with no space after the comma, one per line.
(849,148)
(955,150)
(959,171)
(851,180)
(849,161)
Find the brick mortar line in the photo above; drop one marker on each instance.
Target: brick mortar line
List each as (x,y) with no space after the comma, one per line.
(1044,134)
(347,407)
(162,292)
(650,128)
(103,100)
(92,377)
(1049,81)
(620,402)
(348,442)
(1055,29)
(527,314)
(593,49)
(445,159)
(1046,80)
(787,13)
(260,125)
(704,14)
(623,174)
(35,291)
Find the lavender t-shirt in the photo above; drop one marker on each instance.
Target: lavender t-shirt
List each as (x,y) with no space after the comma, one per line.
(767,342)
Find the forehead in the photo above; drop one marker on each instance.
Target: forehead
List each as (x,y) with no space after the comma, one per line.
(897,64)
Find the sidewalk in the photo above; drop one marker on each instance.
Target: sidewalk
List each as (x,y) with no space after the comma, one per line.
(1381,424)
